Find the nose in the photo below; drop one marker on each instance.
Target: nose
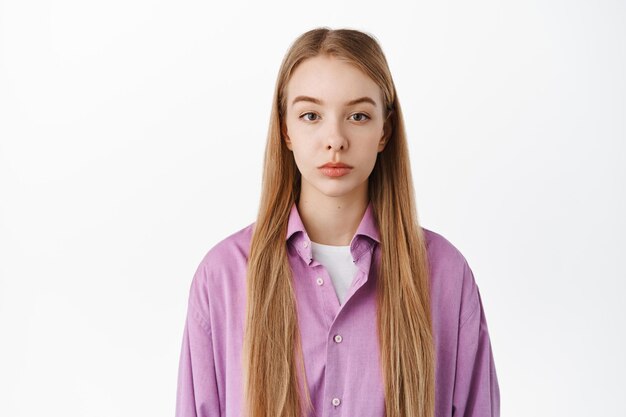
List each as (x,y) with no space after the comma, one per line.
(336,139)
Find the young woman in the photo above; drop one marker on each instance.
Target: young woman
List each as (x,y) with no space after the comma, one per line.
(335,302)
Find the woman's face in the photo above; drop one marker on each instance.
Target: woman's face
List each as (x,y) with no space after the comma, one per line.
(324,126)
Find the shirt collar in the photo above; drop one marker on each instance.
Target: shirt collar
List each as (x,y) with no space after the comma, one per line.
(301,241)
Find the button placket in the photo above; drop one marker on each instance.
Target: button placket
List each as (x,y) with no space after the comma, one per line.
(336,401)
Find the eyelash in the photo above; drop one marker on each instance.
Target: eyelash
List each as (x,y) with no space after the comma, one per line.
(363,114)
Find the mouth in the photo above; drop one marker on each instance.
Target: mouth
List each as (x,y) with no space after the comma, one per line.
(335,171)
(335,165)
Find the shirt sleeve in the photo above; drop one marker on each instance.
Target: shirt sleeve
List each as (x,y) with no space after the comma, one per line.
(197,394)
(476,390)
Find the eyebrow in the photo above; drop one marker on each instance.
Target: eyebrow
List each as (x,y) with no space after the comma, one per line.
(320,102)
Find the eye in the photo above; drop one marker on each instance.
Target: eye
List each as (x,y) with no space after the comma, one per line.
(362,115)
(307,119)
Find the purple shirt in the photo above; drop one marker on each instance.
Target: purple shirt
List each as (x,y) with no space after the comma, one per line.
(339,342)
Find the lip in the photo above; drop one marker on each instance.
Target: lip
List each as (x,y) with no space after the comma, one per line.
(335,170)
(335,165)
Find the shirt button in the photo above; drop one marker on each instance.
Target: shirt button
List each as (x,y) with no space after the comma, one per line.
(320,281)
(305,244)
(338,338)
(336,401)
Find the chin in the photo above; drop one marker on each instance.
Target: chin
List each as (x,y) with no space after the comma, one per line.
(333,187)
(340,190)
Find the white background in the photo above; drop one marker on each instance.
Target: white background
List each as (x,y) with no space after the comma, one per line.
(131,141)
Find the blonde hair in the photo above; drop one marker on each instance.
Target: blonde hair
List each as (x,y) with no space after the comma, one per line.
(272,351)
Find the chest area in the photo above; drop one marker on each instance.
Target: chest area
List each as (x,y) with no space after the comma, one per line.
(340,343)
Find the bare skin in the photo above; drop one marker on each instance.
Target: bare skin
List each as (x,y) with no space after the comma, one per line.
(331,208)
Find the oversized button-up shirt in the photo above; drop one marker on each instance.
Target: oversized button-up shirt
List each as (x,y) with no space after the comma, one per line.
(340,346)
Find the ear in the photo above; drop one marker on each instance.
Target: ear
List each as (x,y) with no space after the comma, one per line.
(285,136)
(386,135)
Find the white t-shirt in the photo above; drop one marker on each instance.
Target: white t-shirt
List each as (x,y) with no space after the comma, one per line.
(340,266)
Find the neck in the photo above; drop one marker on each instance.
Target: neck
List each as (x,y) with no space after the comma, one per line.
(332,220)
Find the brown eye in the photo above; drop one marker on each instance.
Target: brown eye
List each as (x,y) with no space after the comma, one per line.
(363,115)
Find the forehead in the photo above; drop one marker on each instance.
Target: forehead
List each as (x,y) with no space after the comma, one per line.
(331,80)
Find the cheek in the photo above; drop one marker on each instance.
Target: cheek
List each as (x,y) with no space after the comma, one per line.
(370,152)
(302,153)
(302,141)
(296,133)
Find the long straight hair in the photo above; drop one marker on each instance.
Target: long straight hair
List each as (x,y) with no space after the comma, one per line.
(273,365)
